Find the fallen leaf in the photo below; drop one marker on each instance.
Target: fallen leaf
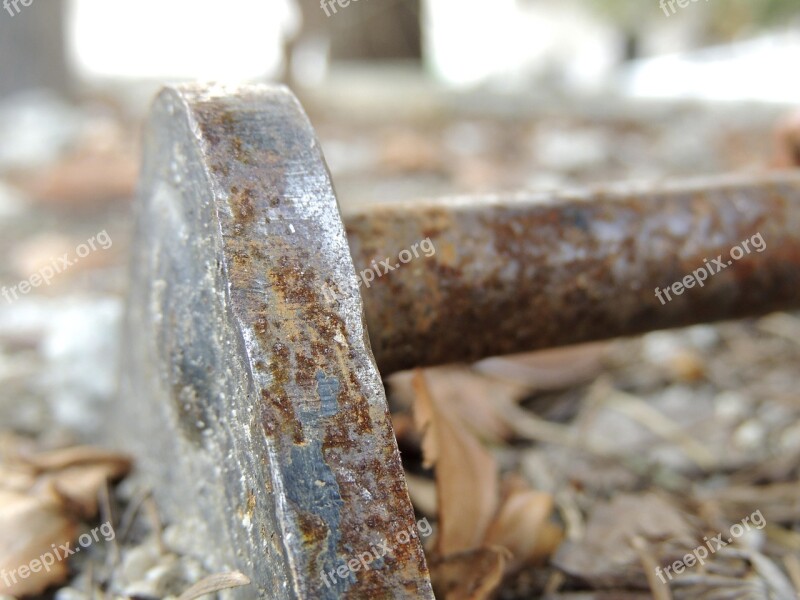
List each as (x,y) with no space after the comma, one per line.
(467,488)
(15,479)
(79,485)
(523,527)
(29,526)
(43,497)
(76,456)
(478,401)
(473,575)
(77,474)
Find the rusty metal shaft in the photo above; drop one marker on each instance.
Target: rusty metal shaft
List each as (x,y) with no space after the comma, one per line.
(522,273)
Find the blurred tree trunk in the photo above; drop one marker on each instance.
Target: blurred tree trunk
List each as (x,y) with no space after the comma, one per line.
(377,30)
(32,48)
(365,29)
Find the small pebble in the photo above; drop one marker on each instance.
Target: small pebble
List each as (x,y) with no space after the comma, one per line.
(66,593)
(138,561)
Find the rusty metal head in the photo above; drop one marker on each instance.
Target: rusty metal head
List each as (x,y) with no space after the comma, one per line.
(250,387)
(255,403)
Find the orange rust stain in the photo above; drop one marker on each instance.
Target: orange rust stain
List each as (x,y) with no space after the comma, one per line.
(242,204)
(312,528)
(239,152)
(251,504)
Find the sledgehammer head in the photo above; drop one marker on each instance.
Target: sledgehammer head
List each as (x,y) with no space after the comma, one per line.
(252,401)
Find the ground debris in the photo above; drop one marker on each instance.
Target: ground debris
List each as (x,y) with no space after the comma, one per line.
(655,447)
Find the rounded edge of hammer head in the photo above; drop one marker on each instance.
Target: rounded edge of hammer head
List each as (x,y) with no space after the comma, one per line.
(250,348)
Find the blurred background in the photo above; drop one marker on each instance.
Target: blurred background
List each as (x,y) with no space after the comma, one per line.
(411,99)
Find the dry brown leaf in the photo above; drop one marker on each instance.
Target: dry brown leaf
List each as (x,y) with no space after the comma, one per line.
(15,479)
(478,401)
(466,474)
(474,575)
(76,456)
(74,475)
(424,419)
(42,496)
(548,370)
(522,526)
(29,526)
(79,486)
(404,429)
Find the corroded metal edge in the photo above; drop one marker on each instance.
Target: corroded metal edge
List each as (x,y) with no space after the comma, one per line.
(239,368)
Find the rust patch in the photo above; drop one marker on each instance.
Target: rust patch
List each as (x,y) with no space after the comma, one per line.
(577,269)
(242,203)
(333,438)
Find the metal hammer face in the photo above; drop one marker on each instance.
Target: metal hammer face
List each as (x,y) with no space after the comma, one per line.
(255,404)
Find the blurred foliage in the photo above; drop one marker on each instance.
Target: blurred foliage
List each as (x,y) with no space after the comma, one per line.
(769,11)
(726,18)
(623,12)
(732,17)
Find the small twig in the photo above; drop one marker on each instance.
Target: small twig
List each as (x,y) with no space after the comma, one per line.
(129,516)
(534,428)
(638,410)
(152,513)
(792,564)
(571,514)
(781,325)
(113,557)
(772,575)
(554,583)
(90,580)
(659,589)
(106,517)
(215,583)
